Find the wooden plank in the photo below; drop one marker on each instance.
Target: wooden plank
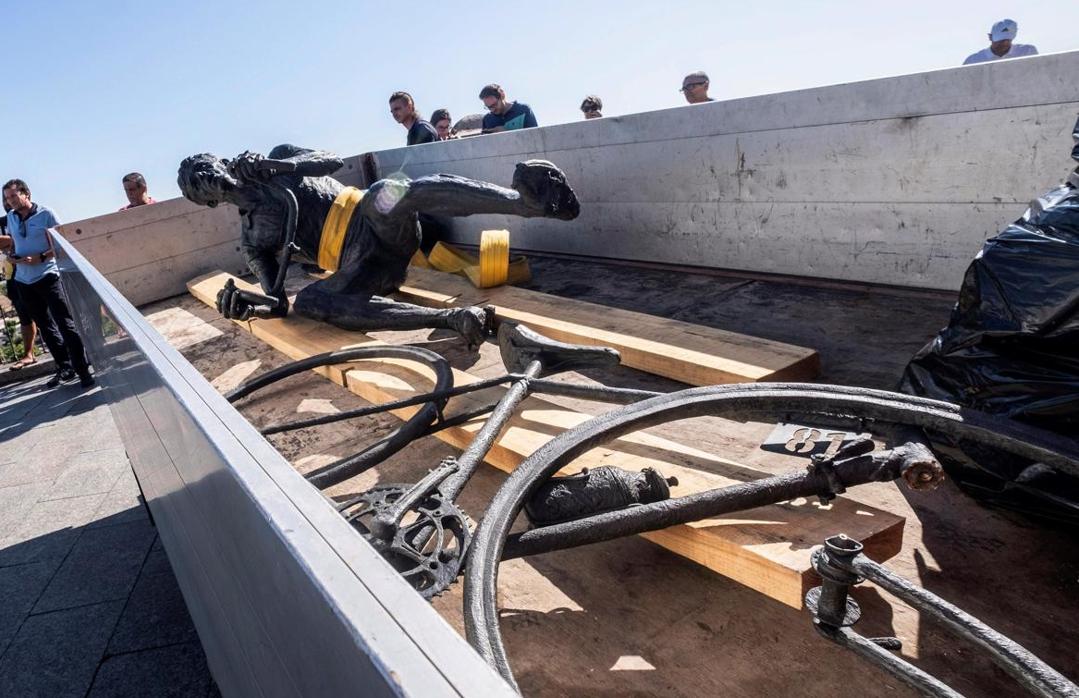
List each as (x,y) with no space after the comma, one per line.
(767,548)
(686,352)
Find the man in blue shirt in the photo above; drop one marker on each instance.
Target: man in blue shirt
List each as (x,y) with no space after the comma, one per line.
(39,283)
(26,323)
(503,115)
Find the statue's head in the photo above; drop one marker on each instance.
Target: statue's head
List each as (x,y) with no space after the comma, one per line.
(205,179)
(544,184)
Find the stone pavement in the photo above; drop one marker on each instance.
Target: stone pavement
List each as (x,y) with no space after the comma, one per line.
(89,605)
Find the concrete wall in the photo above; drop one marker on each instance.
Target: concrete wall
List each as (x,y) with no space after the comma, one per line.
(150,252)
(288,600)
(895,181)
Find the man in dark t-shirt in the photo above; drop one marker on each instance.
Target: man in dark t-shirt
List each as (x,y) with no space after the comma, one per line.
(403,109)
(503,115)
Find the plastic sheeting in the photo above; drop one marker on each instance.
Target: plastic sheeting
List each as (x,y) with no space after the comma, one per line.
(1012,348)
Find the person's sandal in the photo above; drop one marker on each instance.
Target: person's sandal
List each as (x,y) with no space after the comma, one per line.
(23,363)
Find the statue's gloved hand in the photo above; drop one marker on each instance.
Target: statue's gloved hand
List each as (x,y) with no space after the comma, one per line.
(246,168)
(237,304)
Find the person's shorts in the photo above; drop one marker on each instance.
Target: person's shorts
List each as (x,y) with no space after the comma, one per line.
(20,307)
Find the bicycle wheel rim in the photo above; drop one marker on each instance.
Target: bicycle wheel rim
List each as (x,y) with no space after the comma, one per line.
(738,401)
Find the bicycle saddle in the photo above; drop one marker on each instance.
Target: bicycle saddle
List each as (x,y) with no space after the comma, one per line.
(520,346)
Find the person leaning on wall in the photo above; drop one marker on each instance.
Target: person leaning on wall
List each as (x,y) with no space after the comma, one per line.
(403,110)
(40,289)
(443,124)
(1002,44)
(592,107)
(502,114)
(695,88)
(135,190)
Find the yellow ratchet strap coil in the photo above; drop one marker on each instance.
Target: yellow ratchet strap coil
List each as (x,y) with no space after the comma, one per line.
(493,267)
(494,258)
(335,227)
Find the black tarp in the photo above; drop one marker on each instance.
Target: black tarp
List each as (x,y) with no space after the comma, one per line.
(1011,348)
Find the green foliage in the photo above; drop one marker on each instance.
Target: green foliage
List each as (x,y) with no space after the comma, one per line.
(11,347)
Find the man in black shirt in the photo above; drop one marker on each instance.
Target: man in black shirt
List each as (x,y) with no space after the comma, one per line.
(403,110)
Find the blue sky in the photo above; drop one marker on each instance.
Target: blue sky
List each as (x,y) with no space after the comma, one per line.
(97,89)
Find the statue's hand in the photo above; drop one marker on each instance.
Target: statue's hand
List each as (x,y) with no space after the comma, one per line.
(237,304)
(245,167)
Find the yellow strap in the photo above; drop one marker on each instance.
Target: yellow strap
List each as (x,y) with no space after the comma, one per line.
(493,267)
(447,258)
(418,260)
(494,257)
(335,227)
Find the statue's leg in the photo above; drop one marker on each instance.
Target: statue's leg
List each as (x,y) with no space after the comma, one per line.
(365,311)
(539,190)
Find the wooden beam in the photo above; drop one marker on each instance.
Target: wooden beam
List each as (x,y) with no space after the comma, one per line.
(767,548)
(686,352)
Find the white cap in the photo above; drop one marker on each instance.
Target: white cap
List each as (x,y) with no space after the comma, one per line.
(1004,29)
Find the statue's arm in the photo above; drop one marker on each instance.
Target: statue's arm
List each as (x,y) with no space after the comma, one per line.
(250,167)
(539,189)
(262,264)
(451,195)
(309,163)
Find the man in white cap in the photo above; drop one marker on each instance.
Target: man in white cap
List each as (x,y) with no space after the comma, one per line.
(1001,46)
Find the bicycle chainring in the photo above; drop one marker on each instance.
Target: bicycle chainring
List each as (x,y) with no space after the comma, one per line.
(429,546)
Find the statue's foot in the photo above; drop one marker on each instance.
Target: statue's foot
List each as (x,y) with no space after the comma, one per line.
(543,187)
(471,323)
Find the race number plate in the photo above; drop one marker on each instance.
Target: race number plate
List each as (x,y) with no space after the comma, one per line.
(805,440)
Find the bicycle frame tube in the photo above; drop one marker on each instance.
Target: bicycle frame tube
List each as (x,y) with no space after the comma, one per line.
(841,564)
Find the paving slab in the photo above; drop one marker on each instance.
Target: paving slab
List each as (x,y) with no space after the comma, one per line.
(110,556)
(16,501)
(20,587)
(49,529)
(177,671)
(90,472)
(156,615)
(75,559)
(26,470)
(123,504)
(57,654)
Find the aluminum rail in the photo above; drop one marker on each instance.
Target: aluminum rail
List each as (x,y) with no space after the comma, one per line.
(287,598)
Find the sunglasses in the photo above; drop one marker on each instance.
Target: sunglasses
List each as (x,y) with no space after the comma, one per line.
(691,86)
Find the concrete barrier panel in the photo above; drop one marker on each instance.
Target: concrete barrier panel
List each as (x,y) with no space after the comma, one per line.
(150,252)
(287,598)
(894,181)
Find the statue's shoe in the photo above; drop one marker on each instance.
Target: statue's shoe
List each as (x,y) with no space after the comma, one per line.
(543,187)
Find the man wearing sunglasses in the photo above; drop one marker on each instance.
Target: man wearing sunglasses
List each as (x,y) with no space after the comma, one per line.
(26,323)
(695,88)
(503,115)
(39,283)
